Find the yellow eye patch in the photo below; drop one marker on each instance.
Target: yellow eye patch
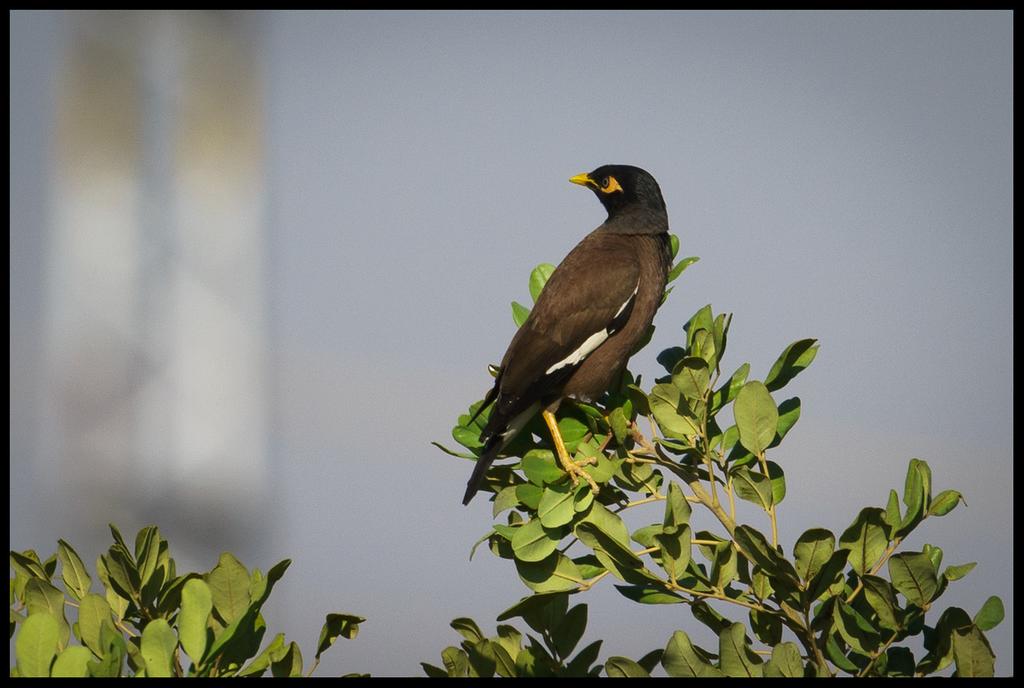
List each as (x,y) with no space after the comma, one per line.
(609,185)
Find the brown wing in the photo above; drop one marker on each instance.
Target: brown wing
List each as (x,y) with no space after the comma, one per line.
(586,299)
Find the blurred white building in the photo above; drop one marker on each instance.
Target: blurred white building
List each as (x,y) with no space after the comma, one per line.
(138,327)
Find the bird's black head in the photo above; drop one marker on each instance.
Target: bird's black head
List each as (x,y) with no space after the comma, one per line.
(623,186)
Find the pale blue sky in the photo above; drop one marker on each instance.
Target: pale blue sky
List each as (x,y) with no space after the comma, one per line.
(844,176)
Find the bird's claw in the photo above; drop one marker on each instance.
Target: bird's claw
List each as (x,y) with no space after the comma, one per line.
(575,471)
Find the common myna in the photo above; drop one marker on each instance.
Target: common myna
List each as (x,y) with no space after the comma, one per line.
(595,308)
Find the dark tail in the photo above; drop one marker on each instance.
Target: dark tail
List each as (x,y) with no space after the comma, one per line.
(480,470)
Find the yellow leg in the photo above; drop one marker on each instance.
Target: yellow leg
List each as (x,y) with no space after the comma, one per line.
(573,468)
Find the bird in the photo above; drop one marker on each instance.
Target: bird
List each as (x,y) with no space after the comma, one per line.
(593,311)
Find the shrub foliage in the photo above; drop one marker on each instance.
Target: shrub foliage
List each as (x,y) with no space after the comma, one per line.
(148,621)
(698,440)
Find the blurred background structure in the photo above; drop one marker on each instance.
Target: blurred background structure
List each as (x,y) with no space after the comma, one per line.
(146,348)
(259,261)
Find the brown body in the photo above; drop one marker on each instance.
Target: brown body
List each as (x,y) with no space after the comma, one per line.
(614,264)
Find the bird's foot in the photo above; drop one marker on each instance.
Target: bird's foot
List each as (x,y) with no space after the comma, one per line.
(575,470)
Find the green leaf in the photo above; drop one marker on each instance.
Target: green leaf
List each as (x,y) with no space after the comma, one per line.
(728,391)
(827,576)
(916,495)
(812,550)
(344,625)
(290,665)
(610,524)
(934,555)
(752,487)
(913,575)
(505,499)
(274,652)
(540,467)
(757,417)
(456,661)
(837,657)
(668,358)
(709,617)
(790,363)
(572,431)
(532,542)
(468,629)
(944,503)
(785,662)
(990,614)
(682,658)
(42,597)
(519,313)
(556,573)
(724,568)
(766,627)
(858,633)
(939,642)
(736,657)
(581,664)
(122,577)
(957,572)
(899,662)
(73,662)
(467,437)
(36,644)
(675,549)
(147,552)
(760,584)
(892,511)
(672,412)
(866,539)
(757,547)
(538,278)
(678,268)
(556,507)
(619,425)
(229,585)
(778,482)
(570,630)
(881,597)
(50,565)
(73,572)
(92,612)
(244,629)
(701,320)
(972,653)
(112,656)
(158,643)
(720,335)
(118,538)
(196,605)
(532,605)
(28,567)
(649,594)
(488,657)
(789,414)
(623,667)
(677,509)
(691,377)
(613,555)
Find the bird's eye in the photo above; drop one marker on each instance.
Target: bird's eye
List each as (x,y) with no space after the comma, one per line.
(609,185)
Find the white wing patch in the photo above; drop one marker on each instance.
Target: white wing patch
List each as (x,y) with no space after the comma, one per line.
(595,340)
(586,348)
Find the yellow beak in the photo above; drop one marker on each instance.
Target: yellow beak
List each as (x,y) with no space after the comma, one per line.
(582,180)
